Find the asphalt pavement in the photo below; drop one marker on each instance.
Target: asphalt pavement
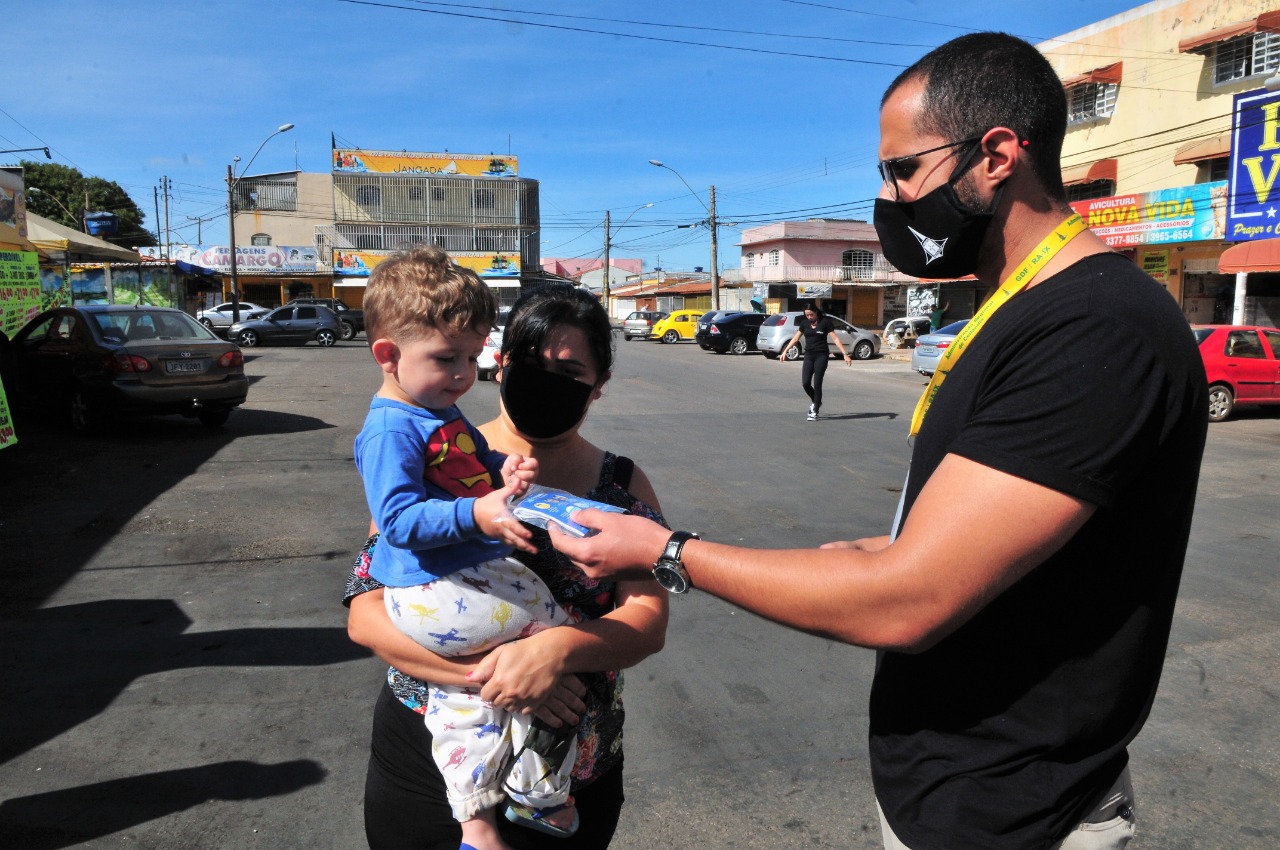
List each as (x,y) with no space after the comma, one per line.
(178,674)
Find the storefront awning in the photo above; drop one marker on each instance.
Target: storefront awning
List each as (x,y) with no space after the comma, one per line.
(1260,256)
(1103,169)
(1266,22)
(1215,147)
(1106,74)
(66,245)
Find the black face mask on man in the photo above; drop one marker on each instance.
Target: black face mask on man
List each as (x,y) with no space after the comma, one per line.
(935,235)
(542,404)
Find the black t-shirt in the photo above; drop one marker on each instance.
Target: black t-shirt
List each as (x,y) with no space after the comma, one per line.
(1006,732)
(815,335)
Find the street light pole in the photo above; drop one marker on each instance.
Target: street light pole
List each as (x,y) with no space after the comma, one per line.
(232,180)
(712,224)
(36,190)
(604,290)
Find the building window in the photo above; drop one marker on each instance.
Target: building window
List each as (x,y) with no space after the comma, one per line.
(415,193)
(1091,101)
(1092,189)
(261,239)
(482,199)
(751,260)
(1246,56)
(368,242)
(858,264)
(1213,170)
(369,196)
(774,257)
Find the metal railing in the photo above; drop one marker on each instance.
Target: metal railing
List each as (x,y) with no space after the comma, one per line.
(879,273)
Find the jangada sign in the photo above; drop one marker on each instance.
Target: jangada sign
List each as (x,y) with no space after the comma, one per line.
(252,259)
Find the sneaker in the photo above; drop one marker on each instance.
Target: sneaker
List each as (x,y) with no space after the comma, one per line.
(813,414)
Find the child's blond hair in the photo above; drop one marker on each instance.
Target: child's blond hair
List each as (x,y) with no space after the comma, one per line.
(421,289)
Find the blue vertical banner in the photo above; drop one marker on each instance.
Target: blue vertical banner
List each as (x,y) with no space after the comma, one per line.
(1253,202)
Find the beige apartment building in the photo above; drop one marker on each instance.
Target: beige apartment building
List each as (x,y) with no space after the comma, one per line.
(1157,98)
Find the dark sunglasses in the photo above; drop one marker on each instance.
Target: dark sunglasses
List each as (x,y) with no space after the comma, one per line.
(903,167)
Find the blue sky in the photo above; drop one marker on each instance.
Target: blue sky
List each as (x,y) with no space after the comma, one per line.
(133,91)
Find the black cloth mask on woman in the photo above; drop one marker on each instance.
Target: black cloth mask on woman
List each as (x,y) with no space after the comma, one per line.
(935,235)
(542,404)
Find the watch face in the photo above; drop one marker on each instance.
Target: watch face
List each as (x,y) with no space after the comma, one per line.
(670,576)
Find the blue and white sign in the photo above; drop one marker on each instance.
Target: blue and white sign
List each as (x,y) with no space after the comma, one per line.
(1253,202)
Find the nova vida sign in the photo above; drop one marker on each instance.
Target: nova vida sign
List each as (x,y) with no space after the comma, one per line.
(1253,201)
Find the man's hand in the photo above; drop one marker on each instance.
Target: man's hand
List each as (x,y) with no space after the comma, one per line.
(625,546)
(494,518)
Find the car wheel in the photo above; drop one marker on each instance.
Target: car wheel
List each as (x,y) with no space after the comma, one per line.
(670,336)
(207,323)
(326,337)
(484,374)
(348,331)
(214,418)
(627,337)
(738,345)
(863,350)
(1221,402)
(793,353)
(247,339)
(85,418)
(769,355)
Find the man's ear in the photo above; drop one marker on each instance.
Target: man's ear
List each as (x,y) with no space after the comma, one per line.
(386,353)
(1004,152)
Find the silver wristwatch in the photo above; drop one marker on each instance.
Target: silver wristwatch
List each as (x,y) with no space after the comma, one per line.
(668,569)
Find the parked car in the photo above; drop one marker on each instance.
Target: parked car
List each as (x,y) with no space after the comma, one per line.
(299,324)
(704,322)
(1242,364)
(929,348)
(637,324)
(681,324)
(898,328)
(219,318)
(779,328)
(352,320)
(487,363)
(730,332)
(101,360)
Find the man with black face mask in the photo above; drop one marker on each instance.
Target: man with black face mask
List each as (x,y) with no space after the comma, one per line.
(1022,603)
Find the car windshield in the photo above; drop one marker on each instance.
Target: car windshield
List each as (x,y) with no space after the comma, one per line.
(134,325)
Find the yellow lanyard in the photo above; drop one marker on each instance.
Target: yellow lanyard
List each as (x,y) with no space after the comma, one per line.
(1013,284)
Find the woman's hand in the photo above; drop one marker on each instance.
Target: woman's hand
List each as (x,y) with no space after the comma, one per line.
(526,676)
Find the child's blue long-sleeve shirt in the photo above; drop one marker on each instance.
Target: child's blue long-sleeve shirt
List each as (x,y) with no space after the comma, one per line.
(422,471)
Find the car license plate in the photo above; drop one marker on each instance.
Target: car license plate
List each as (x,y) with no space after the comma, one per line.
(177,366)
(928,349)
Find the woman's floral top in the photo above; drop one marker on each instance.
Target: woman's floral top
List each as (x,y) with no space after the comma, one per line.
(600,732)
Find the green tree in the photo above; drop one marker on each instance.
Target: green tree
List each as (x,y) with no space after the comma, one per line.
(62,199)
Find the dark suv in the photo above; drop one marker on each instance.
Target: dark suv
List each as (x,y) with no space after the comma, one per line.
(352,320)
(730,332)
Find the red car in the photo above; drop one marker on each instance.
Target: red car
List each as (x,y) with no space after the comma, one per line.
(1243,366)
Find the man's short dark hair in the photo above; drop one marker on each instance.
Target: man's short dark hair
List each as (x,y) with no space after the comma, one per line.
(992,79)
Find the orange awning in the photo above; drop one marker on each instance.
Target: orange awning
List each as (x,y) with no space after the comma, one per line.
(1260,256)
(1103,169)
(1266,22)
(1106,74)
(1202,149)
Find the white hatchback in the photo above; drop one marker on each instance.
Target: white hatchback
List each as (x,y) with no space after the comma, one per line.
(487,362)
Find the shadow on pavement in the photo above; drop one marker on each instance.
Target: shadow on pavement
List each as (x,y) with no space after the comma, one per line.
(74,815)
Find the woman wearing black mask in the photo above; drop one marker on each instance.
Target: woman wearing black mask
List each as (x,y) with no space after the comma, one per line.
(556,358)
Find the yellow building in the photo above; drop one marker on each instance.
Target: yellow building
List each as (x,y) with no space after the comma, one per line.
(1152,97)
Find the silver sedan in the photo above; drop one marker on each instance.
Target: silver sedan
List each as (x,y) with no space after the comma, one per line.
(930,347)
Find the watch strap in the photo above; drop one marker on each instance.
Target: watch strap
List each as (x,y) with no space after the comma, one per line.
(675,545)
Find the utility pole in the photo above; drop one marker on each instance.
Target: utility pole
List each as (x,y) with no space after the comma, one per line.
(199,233)
(231,227)
(167,236)
(604,289)
(715,249)
(155,196)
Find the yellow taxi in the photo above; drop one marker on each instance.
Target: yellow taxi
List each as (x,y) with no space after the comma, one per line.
(678,325)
